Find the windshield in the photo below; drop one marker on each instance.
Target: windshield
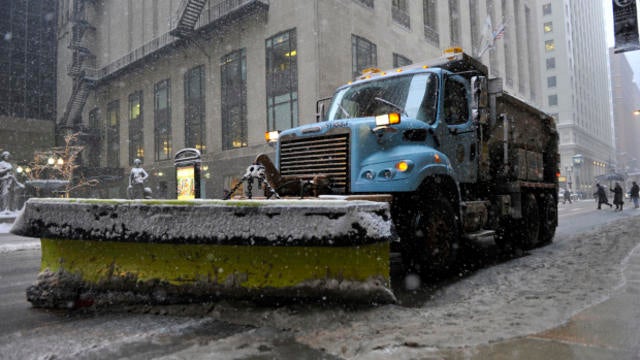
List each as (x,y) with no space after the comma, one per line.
(414,96)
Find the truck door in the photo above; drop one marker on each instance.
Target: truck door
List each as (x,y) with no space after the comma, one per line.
(459,132)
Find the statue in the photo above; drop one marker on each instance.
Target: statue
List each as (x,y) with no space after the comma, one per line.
(7,180)
(137,177)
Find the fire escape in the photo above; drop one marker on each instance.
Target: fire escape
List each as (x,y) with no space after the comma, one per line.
(188,15)
(82,58)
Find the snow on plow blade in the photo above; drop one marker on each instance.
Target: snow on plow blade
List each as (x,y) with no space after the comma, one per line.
(100,252)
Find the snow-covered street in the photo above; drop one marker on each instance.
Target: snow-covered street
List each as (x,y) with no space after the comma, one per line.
(519,297)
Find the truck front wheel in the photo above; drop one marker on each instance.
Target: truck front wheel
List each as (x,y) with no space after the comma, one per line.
(430,237)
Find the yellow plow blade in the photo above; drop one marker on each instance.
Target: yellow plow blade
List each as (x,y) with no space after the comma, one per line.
(96,252)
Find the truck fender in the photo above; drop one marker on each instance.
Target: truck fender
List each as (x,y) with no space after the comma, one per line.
(441,178)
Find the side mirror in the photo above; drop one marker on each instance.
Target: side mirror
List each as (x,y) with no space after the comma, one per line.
(479,99)
(320,113)
(320,109)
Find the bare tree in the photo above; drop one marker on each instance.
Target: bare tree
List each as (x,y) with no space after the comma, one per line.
(60,163)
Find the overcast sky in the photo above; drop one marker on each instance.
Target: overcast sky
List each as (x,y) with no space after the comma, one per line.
(632,56)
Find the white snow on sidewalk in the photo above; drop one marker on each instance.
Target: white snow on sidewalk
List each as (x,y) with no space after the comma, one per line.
(15,243)
(5,227)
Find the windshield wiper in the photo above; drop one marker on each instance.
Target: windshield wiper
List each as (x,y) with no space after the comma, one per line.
(344,112)
(387,102)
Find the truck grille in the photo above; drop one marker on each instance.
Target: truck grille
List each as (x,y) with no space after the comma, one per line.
(327,155)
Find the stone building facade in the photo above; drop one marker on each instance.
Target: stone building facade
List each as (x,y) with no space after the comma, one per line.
(146,79)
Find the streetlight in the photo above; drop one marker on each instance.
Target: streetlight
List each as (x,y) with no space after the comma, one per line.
(568,170)
(578,160)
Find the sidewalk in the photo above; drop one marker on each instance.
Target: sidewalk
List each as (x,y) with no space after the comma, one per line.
(608,330)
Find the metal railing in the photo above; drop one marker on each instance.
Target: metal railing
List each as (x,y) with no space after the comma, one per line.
(223,8)
(137,54)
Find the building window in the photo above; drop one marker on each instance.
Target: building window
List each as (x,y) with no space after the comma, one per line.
(399,61)
(400,13)
(454,22)
(367,3)
(551,81)
(546,9)
(493,54)
(551,63)
(476,31)
(233,86)
(136,133)
(282,81)
(548,27)
(430,19)
(162,120)
(363,55)
(553,100)
(194,109)
(549,45)
(113,134)
(531,49)
(95,128)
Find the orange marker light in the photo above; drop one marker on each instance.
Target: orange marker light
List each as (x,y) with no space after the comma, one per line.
(394,118)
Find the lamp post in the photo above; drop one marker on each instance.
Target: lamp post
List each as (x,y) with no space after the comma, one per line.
(568,170)
(578,160)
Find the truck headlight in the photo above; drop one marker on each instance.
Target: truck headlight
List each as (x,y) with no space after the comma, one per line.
(388,119)
(271,136)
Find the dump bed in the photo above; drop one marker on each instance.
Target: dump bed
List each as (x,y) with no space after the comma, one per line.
(522,142)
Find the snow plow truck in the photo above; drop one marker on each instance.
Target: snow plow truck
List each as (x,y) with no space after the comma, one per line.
(458,157)
(416,159)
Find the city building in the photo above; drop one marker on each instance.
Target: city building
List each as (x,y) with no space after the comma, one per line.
(27,77)
(576,91)
(144,79)
(626,101)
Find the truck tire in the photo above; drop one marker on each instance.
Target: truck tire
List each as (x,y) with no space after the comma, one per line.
(530,223)
(430,237)
(548,218)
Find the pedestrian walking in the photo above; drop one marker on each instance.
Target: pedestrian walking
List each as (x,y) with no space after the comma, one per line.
(601,195)
(634,194)
(566,196)
(618,200)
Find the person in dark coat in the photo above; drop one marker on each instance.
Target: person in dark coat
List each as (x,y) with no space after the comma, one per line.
(617,196)
(601,194)
(635,194)
(566,196)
